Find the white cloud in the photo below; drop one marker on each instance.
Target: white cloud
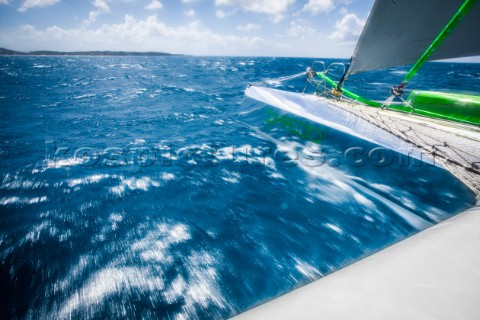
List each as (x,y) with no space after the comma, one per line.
(348,28)
(273,7)
(301,30)
(149,34)
(190,13)
(3,1)
(154,5)
(318,6)
(101,7)
(277,18)
(249,27)
(222,14)
(189,1)
(28,4)
(343,11)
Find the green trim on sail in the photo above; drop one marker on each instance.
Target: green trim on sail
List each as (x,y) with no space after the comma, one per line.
(467,5)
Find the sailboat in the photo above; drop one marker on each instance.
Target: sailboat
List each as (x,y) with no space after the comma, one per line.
(438,127)
(433,274)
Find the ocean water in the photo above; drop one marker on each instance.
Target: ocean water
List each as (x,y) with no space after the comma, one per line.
(150,187)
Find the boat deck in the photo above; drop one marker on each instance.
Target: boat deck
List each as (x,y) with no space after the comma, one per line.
(450,145)
(455,146)
(431,275)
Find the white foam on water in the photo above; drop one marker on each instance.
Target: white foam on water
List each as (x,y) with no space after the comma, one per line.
(83,96)
(131,184)
(61,163)
(22,200)
(231,176)
(335,228)
(19,182)
(197,288)
(87,180)
(307,270)
(108,281)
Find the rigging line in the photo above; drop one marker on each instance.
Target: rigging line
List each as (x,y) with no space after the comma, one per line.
(457,151)
(466,173)
(345,75)
(397,91)
(466,152)
(280,79)
(428,136)
(438,151)
(414,138)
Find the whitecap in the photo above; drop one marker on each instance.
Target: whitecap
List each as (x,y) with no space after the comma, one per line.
(21,201)
(168,176)
(69,162)
(276,175)
(107,282)
(156,244)
(88,180)
(144,184)
(363,200)
(34,234)
(115,219)
(333,227)
(19,182)
(231,176)
(307,270)
(83,96)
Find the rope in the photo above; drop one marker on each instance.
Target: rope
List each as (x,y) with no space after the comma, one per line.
(280,79)
(457,153)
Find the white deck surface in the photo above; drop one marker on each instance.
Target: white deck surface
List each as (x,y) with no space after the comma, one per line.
(432,275)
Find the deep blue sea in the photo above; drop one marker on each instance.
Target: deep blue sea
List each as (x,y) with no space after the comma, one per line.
(150,187)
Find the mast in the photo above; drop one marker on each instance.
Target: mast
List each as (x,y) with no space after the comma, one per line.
(464,9)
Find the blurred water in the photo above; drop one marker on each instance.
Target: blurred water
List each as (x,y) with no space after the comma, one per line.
(147,186)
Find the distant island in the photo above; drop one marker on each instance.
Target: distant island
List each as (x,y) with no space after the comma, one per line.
(8,52)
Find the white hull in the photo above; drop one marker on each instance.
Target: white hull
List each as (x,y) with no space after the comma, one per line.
(432,275)
(323,111)
(449,145)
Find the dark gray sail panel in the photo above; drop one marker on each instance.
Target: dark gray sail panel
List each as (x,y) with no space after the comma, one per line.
(398,32)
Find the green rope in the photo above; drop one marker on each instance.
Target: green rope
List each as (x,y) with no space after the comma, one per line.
(467,5)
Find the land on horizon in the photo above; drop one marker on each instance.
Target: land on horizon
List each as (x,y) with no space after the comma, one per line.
(8,52)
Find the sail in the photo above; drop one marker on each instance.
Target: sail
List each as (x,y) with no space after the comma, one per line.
(398,32)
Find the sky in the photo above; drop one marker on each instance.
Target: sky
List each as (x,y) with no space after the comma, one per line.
(300,28)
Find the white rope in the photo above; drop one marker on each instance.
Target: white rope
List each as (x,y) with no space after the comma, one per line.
(277,80)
